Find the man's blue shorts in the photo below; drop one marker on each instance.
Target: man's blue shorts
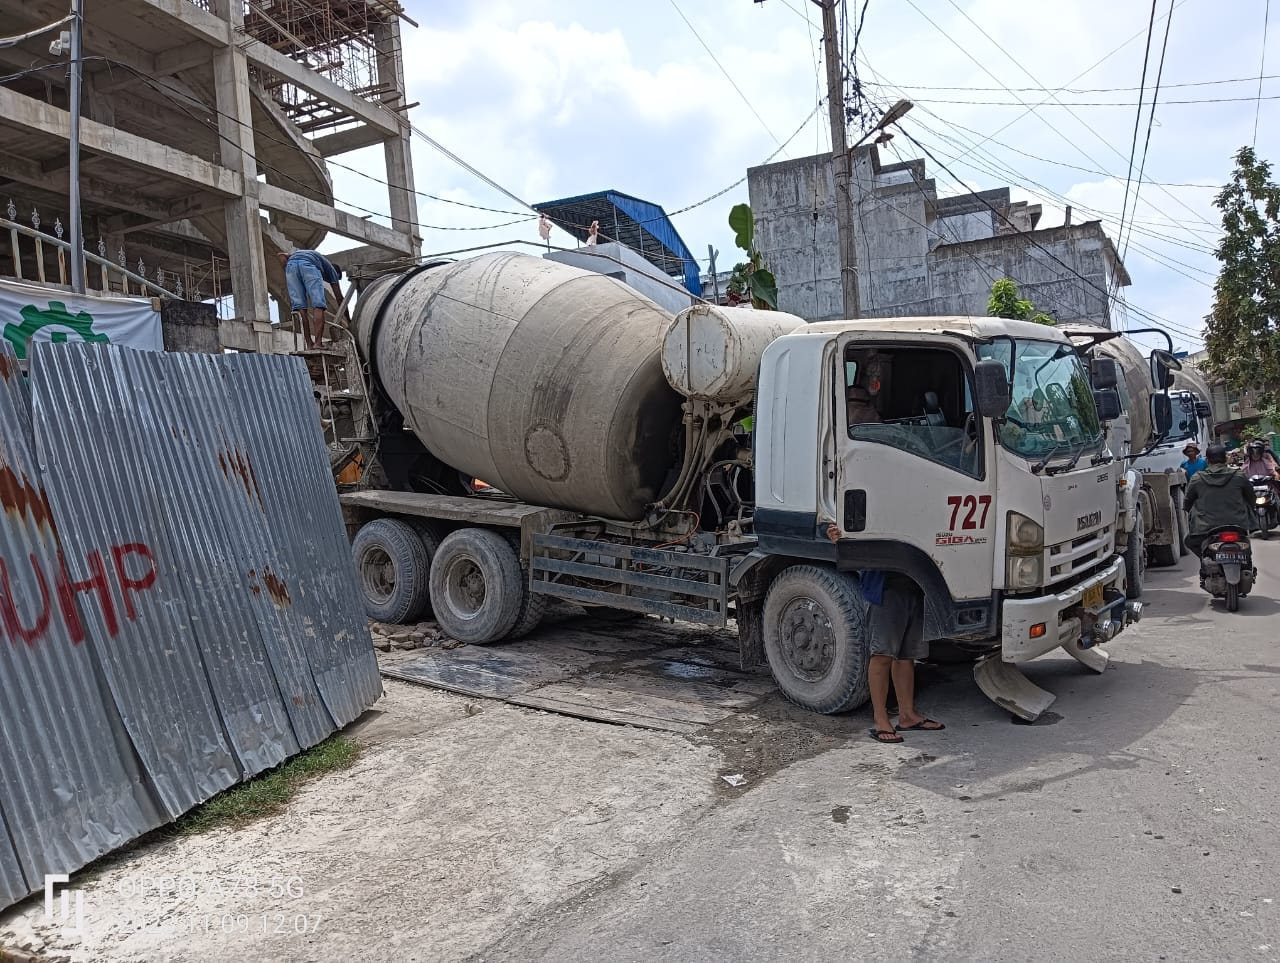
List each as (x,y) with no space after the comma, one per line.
(306,284)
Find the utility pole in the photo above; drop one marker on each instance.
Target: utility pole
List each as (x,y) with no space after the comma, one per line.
(715,281)
(840,161)
(73,173)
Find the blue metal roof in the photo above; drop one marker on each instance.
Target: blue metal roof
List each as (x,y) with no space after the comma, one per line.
(641,225)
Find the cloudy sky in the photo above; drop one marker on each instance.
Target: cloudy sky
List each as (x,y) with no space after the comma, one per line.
(551,98)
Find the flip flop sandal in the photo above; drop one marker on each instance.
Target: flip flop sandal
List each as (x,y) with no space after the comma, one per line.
(924,725)
(886,737)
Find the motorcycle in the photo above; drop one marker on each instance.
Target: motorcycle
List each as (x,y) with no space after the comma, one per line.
(1266,505)
(1226,565)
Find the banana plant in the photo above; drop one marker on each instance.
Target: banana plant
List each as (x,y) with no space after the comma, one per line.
(751,278)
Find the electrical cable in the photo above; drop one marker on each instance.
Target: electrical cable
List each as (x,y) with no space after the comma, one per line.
(1087,70)
(1006,173)
(1137,119)
(1077,91)
(7,42)
(1266,22)
(1155,319)
(1036,80)
(732,82)
(964,189)
(1151,117)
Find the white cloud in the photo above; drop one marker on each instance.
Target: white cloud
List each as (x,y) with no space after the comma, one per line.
(560,97)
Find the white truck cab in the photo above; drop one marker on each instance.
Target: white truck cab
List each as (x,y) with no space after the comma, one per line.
(964,453)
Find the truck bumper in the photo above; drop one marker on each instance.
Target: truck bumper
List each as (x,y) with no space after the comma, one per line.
(1031,627)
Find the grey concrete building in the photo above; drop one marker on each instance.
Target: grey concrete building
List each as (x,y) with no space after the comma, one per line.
(206,130)
(918,253)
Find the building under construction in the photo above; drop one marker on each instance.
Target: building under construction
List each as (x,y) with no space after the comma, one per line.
(206,130)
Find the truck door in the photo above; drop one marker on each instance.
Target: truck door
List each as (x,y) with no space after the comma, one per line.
(915,462)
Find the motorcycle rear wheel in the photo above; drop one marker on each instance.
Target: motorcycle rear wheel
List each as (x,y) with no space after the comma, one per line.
(1233,598)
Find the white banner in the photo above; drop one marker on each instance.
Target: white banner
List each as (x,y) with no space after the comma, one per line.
(31,313)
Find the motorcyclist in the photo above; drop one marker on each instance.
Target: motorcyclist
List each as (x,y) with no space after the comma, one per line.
(1218,496)
(1259,461)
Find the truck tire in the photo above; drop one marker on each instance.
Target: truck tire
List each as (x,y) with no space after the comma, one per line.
(1167,555)
(1135,564)
(476,589)
(1184,525)
(392,566)
(815,638)
(532,607)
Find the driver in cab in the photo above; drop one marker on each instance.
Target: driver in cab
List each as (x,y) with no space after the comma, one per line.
(1218,496)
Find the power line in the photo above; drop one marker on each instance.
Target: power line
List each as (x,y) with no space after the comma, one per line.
(1053,257)
(732,82)
(1075,91)
(1151,118)
(1035,79)
(1002,171)
(1137,119)
(1069,104)
(1266,20)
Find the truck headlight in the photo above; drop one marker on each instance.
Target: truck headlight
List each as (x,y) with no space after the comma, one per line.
(1024,553)
(1023,572)
(1260,501)
(1025,536)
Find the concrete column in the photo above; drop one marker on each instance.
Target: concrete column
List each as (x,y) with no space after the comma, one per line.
(236,149)
(399,157)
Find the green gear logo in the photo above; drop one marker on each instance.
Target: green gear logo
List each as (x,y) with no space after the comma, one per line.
(56,315)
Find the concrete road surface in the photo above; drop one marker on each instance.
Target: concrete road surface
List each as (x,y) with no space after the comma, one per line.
(1136,821)
(1139,821)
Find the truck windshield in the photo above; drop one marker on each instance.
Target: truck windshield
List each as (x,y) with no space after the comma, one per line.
(1052,408)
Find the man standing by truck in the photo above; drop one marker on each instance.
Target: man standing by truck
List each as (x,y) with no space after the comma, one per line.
(306,273)
(895,629)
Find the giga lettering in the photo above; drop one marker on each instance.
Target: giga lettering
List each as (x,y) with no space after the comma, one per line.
(132,564)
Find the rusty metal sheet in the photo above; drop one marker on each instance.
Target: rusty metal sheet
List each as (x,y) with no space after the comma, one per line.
(66,797)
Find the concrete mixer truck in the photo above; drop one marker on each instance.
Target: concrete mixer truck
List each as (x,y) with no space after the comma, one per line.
(727,464)
(1152,523)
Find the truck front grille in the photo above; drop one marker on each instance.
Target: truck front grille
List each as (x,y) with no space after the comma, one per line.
(1083,552)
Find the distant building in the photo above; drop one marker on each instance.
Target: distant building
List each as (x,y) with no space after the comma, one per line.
(636,243)
(921,254)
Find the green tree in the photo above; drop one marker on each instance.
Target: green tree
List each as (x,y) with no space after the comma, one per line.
(1241,332)
(751,278)
(1005,303)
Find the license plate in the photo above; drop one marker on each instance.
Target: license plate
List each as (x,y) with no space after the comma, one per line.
(1228,557)
(1092,597)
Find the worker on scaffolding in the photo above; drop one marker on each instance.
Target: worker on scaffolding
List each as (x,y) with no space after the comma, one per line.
(306,273)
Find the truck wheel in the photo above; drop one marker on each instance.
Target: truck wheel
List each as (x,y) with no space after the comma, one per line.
(1135,564)
(392,565)
(532,607)
(476,591)
(815,638)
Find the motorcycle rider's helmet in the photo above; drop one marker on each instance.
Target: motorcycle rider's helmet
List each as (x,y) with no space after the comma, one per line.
(1255,448)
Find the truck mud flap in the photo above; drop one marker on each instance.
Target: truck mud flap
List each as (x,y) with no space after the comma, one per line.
(1007,687)
(679,585)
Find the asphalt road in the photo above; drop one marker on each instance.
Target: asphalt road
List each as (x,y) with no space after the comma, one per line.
(1136,821)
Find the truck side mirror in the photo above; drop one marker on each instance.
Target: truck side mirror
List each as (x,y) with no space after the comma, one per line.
(1203,410)
(1105,373)
(1161,414)
(1163,365)
(991,392)
(1107,401)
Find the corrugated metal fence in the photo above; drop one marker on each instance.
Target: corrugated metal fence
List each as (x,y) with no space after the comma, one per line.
(178,608)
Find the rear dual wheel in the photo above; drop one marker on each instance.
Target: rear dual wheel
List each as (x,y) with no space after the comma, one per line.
(471,580)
